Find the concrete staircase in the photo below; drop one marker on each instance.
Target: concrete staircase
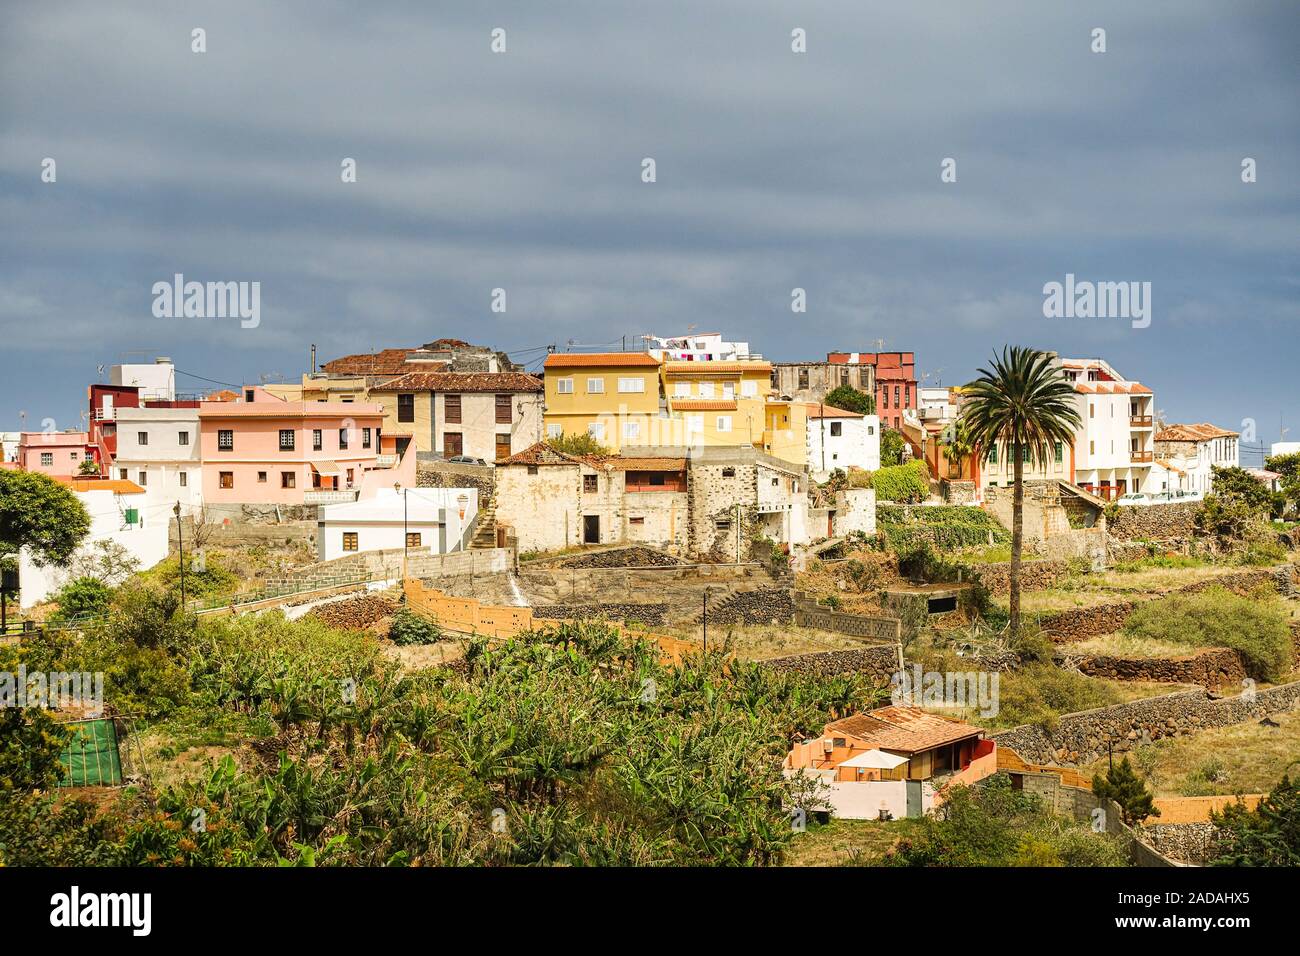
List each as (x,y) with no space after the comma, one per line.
(485,526)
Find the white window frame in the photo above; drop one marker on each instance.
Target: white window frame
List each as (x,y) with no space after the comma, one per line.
(596,386)
(723,424)
(748,389)
(596,430)
(682,390)
(554,431)
(631,384)
(631,431)
(564,386)
(706,389)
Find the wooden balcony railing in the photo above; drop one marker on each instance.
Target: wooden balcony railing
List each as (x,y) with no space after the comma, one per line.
(1140,421)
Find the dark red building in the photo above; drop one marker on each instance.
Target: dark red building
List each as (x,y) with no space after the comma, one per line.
(895,378)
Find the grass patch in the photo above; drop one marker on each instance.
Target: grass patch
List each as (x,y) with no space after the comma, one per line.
(848,842)
(1129,646)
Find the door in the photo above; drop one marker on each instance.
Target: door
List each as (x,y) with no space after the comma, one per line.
(591,529)
(503,447)
(452,444)
(914,798)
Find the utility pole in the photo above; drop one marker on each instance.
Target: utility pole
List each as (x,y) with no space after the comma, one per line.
(706,620)
(180,547)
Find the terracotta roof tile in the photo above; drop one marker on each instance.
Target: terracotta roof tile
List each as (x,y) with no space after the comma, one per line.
(540,454)
(461,382)
(597,359)
(383,362)
(623,463)
(818,410)
(704,404)
(905,729)
(1203,431)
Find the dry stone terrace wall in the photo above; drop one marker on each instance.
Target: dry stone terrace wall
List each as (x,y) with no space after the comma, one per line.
(634,557)
(1212,667)
(1081,738)
(879,662)
(1173,521)
(679,588)
(1079,624)
(760,606)
(1034,575)
(808,613)
(1193,843)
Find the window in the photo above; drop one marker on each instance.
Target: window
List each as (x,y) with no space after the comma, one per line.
(413,539)
(532,469)
(775,482)
(74,455)
(288,479)
(637,520)
(554,431)
(142,438)
(47,458)
(636,384)
(871,429)
(286,439)
(596,430)
(728,473)
(226,479)
(505,410)
(748,389)
(248,394)
(503,445)
(590,483)
(682,390)
(184,479)
(595,386)
(897,403)
(1092,410)
(261,477)
(225,440)
(803,378)
(728,390)
(722,524)
(706,389)
(142,478)
(451,409)
(182,438)
(884,398)
(317,442)
(1060,452)
(121,473)
(365,438)
(837,428)
(564,386)
(631,431)
(343,438)
(724,423)
(1092,448)
(1024,453)
(406,408)
(349,541)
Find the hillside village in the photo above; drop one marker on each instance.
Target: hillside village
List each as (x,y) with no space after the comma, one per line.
(1089,637)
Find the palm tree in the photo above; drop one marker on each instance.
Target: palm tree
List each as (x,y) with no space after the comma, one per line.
(1023,405)
(957,446)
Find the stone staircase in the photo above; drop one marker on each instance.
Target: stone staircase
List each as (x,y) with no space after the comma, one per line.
(485,526)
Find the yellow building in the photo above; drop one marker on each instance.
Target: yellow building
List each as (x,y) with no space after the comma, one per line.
(785,431)
(718,403)
(612,396)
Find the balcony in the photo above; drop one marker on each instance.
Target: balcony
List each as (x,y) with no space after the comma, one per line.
(1140,457)
(330,497)
(385,461)
(1140,421)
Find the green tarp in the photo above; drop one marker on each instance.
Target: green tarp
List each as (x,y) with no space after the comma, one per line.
(91,758)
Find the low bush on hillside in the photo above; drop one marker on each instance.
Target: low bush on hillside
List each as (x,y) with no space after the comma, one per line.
(411,628)
(1254,624)
(948,527)
(994,825)
(902,483)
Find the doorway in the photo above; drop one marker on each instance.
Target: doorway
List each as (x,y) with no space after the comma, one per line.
(591,529)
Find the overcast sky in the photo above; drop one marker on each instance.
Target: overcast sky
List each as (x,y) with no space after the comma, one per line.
(522,170)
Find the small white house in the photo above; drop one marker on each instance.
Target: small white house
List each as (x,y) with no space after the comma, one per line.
(838,438)
(119,512)
(438,519)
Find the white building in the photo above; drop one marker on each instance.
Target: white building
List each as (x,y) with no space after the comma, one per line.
(158,449)
(838,438)
(9,442)
(1284,448)
(697,347)
(936,404)
(156,380)
(1114,446)
(119,513)
(439,520)
(1187,455)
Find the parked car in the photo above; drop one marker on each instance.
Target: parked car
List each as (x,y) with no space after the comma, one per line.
(466,460)
(1134,498)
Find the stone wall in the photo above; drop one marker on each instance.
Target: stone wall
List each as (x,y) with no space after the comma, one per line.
(1174,521)
(1081,738)
(808,613)
(654,614)
(1034,575)
(1193,843)
(1079,624)
(374,565)
(632,557)
(714,491)
(1213,667)
(760,606)
(957,492)
(880,662)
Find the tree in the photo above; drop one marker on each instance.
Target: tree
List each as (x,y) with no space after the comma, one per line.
(88,467)
(37,512)
(1024,406)
(105,561)
(850,399)
(1269,835)
(891,447)
(1288,466)
(1241,484)
(1126,788)
(82,598)
(578,445)
(957,444)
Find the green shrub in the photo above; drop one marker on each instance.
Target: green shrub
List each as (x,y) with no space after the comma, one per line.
(411,628)
(1255,625)
(81,599)
(902,483)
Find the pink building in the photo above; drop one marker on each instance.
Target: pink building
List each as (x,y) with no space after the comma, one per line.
(264,450)
(57,454)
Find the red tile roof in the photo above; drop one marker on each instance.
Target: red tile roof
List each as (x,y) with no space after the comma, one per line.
(461,382)
(1203,431)
(622,463)
(1112,388)
(818,410)
(704,404)
(597,359)
(383,362)
(905,729)
(540,454)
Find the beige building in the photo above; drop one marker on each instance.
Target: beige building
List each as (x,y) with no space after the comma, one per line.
(811,381)
(487,415)
(549,500)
